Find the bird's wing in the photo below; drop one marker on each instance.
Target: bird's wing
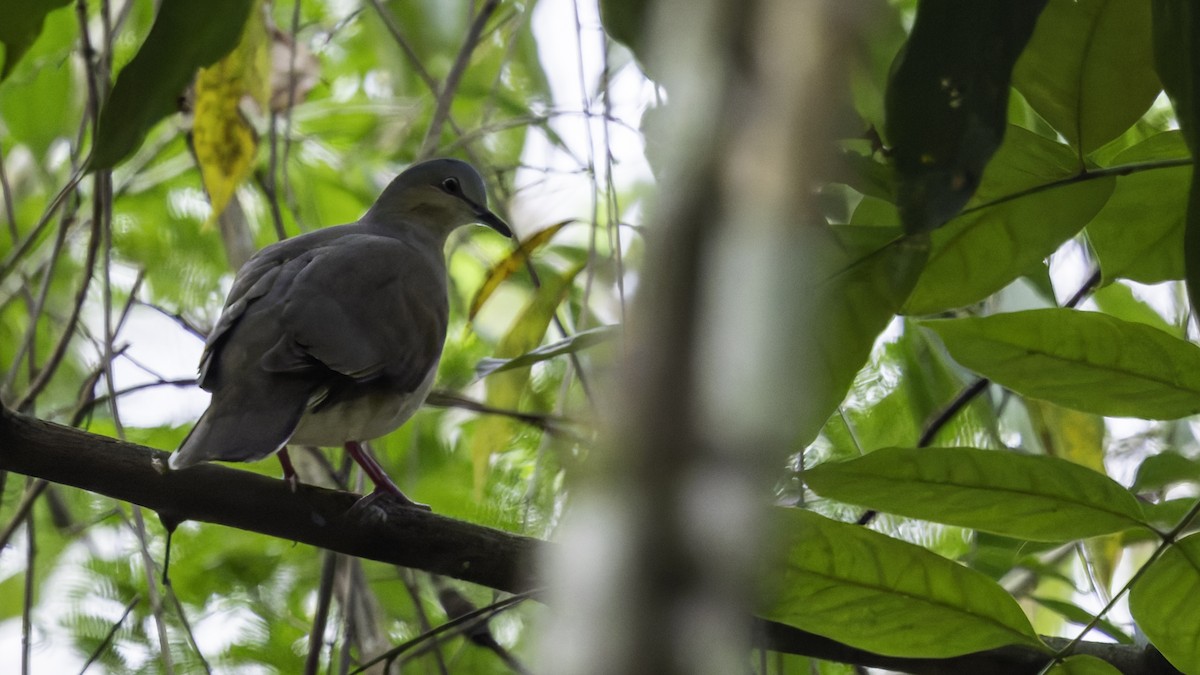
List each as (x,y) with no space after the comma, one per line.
(256,278)
(369,307)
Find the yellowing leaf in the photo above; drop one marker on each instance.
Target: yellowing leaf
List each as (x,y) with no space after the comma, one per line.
(509,266)
(224,142)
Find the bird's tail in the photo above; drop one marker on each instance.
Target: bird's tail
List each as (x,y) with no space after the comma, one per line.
(240,427)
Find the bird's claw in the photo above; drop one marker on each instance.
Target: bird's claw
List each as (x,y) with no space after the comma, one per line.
(379,502)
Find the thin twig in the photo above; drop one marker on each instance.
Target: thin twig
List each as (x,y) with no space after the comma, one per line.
(488,611)
(32,491)
(28,344)
(414,61)
(6,192)
(27,592)
(112,633)
(316,636)
(445,96)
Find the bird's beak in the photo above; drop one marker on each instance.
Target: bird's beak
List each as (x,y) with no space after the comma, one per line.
(492,220)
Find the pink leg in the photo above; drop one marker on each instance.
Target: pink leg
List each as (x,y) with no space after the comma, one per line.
(378,476)
(289,471)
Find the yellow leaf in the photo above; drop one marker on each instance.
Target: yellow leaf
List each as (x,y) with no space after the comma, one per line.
(1078,437)
(513,262)
(224,141)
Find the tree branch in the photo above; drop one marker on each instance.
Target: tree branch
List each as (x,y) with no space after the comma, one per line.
(408,537)
(248,501)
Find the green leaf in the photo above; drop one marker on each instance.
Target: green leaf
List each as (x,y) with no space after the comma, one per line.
(570,345)
(1163,602)
(1012,224)
(1083,360)
(1031,497)
(1138,234)
(1077,614)
(947,100)
(1117,299)
(1089,69)
(855,289)
(870,591)
(1083,664)
(185,36)
(1164,469)
(20,28)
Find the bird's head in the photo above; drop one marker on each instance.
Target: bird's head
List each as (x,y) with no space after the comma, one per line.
(441,194)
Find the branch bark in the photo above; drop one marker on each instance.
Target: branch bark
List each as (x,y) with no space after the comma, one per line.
(408,537)
(248,501)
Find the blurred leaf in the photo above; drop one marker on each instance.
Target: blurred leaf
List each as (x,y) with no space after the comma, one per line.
(880,36)
(1068,434)
(1082,360)
(570,345)
(626,21)
(512,263)
(1030,497)
(22,24)
(1011,225)
(1163,603)
(1088,69)
(1176,25)
(1118,300)
(1177,58)
(1165,469)
(46,74)
(1139,233)
(185,36)
(1083,664)
(864,589)
(504,389)
(1078,437)
(225,143)
(1077,614)
(947,100)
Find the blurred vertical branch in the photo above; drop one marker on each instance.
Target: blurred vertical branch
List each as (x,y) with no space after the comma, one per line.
(656,574)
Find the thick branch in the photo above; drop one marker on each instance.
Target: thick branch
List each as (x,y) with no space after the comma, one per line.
(407,537)
(248,501)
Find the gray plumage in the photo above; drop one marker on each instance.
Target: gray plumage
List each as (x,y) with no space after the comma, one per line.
(334,336)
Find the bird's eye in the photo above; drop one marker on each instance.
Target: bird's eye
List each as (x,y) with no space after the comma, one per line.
(451,185)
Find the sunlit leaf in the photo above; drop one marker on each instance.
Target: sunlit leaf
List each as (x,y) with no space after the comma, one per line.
(1165,469)
(1163,603)
(1012,224)
(1026,496)
(1077,614)
(864,589)
(1089,69)
(570,345)
(21,26)
(1082,360)
(1138,234)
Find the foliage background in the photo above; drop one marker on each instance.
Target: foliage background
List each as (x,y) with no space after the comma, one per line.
(938,251)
